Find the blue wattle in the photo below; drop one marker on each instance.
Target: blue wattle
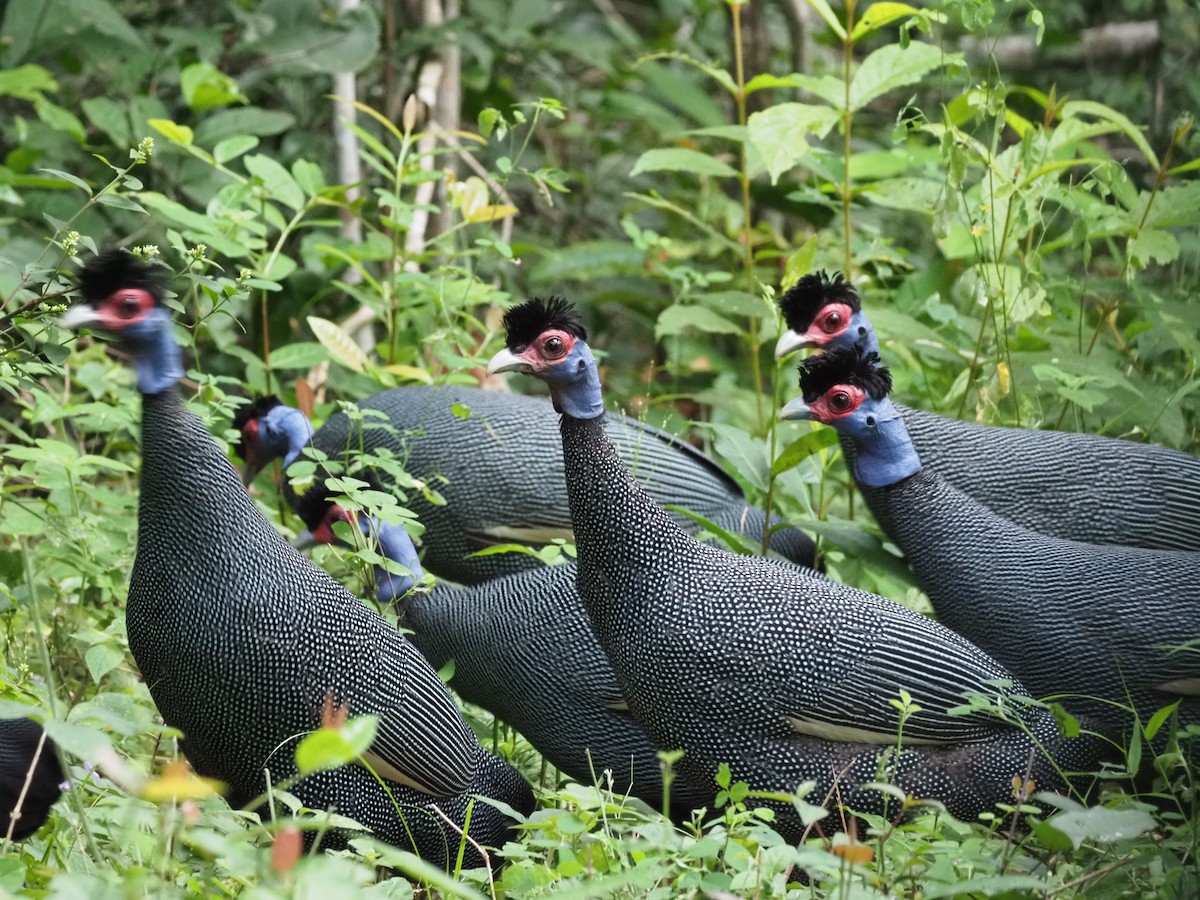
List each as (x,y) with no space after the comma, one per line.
(396,545)
(886,454)
(157,357)
(575,384)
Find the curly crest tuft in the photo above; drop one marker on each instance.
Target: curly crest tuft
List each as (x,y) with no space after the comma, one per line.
(525,322)
(108,272)
(803,300)
(845,365)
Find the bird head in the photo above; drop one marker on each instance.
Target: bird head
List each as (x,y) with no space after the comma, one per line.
(123,296)
(269,430)
(392,542)
(823,310)
(847,389)
(546,339)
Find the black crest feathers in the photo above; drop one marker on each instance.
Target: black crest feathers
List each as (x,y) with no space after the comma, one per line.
(845,365)
(803,300)
(525,322)
(108,272)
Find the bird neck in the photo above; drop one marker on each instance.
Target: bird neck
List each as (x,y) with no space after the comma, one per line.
(293,432)
(395,544)
(576,391)
(885,452)
(156,356)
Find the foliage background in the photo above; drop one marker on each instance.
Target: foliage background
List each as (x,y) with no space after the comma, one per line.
(1013,192)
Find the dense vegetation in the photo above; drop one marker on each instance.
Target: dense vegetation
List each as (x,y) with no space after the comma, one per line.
(1024,236)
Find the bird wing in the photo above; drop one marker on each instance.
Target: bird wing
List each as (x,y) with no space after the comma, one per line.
(422,740)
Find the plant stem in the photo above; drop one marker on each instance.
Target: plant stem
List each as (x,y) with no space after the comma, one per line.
(847,123)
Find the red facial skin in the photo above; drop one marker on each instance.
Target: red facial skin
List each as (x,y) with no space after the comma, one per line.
(548,349)
(123,308)
(837,403)
(830,322)
(323,533)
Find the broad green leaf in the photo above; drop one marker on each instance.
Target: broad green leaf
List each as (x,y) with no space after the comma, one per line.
(799,263)
(59,119)
(298,355)
(878,15)
(339,344)
(764,81)
(70,179)
(1108,114)
(27,82)
(802,448)
(675,319)
(1153,246)
(232,148)
(309,176)
(892,67)
(102,659)
(279,183)
(206,87)
(330,748)
(780,134)
(176,134)
(680,159)
(1101,824)
(823,10)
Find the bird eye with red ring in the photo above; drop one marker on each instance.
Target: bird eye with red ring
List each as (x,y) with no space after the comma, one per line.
(840,401)
(834,319)
(837,403)
(554,346)
(124,307)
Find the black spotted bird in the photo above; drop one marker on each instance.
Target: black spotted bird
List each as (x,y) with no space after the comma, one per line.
(493,459)
(1077,486)
(244,643)
(1112,627)
(524,650)
(786,676)
(30,778)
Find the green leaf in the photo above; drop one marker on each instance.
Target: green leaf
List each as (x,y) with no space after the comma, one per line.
(1159,719)
(298,355)
(878,15)
(1101,824)
(679,159)
(339,344)
(780,134)
(1050,837)
(233,147)
(176,134)
(59,119)
(891,67)
(102,659)
(1106,113)
(27,82)
(70,179)
(802,448)
(309,176)
(765,81)
(279,183)
(799,263)
(675,319)
(206,87)
(1153,246)
(330,748)
(823,10)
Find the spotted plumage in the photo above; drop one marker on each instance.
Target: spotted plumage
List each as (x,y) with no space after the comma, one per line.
(30,777)
(786,676)
(1075,486)
(495,461)
(1100,624)
(244,643)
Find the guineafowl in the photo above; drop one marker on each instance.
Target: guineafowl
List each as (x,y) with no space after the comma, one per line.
(1076,486)
(493,458)
(523,649)
(786,676)
(1106,624)
(30,777)
(243,642)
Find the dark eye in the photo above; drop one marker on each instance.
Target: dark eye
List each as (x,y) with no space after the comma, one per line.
(554,346)
(832,322)
(127,306)
(840,401)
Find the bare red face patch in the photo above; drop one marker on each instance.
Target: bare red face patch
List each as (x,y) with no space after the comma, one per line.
(831,321)
(837,403)
(123,308)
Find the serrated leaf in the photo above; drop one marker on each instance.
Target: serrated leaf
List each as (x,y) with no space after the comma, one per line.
(176,134)
(780,134)
(677,318)
(339,344)
(1153,245)
(892,67)
(680,159)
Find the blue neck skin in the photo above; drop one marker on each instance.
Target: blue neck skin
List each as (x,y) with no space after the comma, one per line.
(858,332)
(885,453)
(156,356)
(396,545)
(575,384)
(284,431)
